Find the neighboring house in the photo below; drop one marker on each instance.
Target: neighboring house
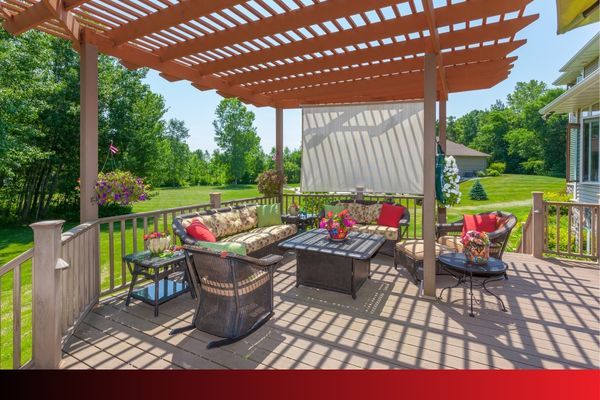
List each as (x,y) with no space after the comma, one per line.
(581,76)
(469,161)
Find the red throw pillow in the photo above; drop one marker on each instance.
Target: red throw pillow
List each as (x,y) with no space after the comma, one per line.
(390,215)
(199,231)
(482,223)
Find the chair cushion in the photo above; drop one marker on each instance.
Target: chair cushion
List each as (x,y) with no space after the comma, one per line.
(390,215)
(415,249)
(258,238)
(387,231)
(249,217)
(479,222)
(230,247)
(199,231)
(268,215)
(451,241)
(363,213)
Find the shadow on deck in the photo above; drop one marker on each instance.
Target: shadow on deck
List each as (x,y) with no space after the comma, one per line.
(552,322)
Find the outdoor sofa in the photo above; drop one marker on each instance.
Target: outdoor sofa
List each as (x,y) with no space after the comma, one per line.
(237,224)
(366,213)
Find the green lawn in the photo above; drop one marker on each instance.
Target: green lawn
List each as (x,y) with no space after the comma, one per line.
(510,193)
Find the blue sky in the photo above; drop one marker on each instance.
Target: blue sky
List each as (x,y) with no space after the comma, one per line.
(540,58)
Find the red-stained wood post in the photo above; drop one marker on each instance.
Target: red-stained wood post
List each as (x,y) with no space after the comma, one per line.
(88,153)
(279,150)
(442,139)
(429,261)
(538,216)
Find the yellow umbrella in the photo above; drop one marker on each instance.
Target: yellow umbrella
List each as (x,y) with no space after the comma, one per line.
(575,13)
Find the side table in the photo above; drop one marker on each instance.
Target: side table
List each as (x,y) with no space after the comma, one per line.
(457,265)
(303,222)
(158,270)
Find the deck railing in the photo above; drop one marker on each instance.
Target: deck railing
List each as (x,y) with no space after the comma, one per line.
(562,229)
(76,268)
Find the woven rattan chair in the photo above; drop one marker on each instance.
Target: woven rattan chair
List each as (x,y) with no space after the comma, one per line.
(499,238)
(235,293)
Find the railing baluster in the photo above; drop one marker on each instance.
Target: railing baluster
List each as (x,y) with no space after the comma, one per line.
(134,225)
(145,231)
(123,252)
(580,230)
(569,230)
(558,229)
(16,353)
(111,254)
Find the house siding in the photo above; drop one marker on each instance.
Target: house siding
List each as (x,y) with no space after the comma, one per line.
(587,192)
(470,165)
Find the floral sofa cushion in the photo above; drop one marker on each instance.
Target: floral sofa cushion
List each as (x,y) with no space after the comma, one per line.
(363,213)
(388,232)
(227,223)
(258,238)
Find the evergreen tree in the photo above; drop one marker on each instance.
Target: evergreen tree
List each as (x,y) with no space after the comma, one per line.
(477,191)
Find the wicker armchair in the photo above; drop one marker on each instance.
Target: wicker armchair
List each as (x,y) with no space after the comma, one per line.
(235,293)
(498,238)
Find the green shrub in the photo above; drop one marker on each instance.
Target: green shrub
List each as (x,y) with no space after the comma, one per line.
(492,172)
(480,174)
(533,167)
(478,192)
(497,166)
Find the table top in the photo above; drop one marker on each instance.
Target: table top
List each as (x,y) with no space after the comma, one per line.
(145,259)
(458,262)
(358,245)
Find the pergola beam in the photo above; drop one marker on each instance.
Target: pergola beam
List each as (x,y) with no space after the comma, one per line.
(479,34)
(37,14)
(295,19)
(390,28)
(65,18)
(393,81)
(493,52)
(184,11)
(133,55)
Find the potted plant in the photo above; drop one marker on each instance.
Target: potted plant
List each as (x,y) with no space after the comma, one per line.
(293,209)
(337,225)
(157,242)
(476,247)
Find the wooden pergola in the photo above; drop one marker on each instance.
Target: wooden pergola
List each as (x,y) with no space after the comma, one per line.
(289,53)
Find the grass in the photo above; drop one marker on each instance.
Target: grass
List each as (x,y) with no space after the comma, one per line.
(510,193)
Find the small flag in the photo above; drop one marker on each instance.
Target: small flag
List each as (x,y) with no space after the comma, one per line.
(113,149)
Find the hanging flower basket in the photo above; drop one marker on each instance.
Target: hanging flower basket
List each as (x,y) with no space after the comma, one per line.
(121,188)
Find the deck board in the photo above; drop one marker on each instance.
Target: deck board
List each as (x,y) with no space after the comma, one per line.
(552,322)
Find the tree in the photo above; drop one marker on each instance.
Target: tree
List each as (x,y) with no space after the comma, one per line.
(477,191)
(236,136)
(524,94)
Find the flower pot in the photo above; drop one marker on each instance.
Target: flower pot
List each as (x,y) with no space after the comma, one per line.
(157,246)
(478,255)
(338,235)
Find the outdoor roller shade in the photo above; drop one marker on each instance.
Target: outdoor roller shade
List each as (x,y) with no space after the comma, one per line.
(375,146)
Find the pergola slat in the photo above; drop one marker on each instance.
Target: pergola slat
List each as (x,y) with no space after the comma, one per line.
(280,23)
(285,53)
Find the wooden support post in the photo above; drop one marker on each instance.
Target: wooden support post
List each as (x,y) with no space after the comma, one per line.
(88,153)
(279,149)
(442,140)
(538,224)
(429,260)
(47,303)
(215,200)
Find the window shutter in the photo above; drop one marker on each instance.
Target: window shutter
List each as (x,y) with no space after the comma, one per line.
(573,153)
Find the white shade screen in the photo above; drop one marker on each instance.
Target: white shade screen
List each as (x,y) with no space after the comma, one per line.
(375,146)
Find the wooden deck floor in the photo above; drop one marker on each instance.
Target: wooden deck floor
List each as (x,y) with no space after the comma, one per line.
(552,322)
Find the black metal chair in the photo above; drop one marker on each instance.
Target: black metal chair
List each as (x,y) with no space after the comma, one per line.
(235,293)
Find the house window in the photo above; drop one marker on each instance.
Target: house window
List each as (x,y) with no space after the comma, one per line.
(591,151)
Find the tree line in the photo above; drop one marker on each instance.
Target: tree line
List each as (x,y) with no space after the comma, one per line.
(515,133)
(39,132)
